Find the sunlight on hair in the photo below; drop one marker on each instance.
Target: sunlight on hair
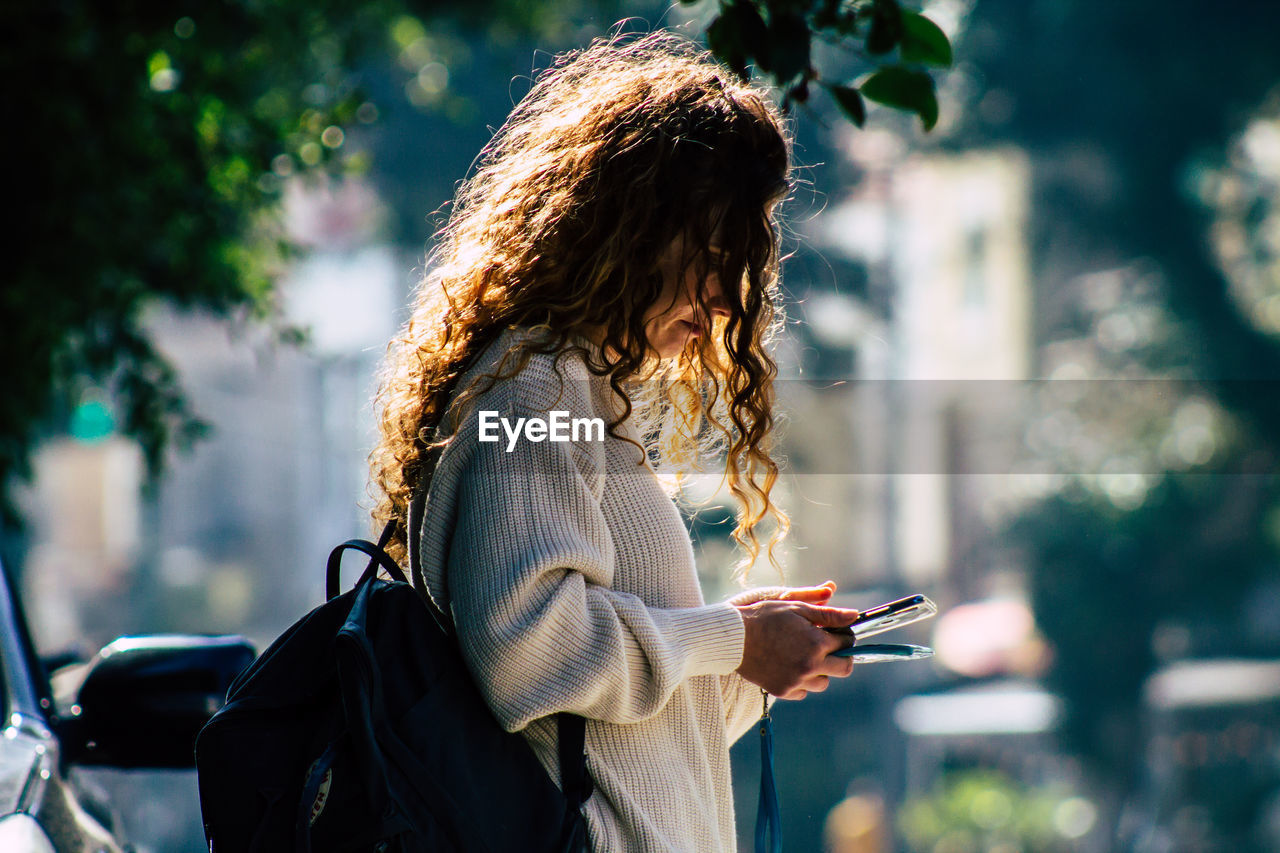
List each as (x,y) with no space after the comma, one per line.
(616,153)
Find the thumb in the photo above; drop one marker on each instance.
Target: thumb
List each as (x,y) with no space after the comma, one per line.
(827,617)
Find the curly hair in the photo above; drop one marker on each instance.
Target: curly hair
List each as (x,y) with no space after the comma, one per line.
(616,153)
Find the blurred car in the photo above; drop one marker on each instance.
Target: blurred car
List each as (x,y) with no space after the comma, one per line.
(137,704)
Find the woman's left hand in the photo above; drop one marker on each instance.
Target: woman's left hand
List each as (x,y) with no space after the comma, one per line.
(789,647)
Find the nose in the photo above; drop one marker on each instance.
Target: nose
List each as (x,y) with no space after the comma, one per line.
(717,304)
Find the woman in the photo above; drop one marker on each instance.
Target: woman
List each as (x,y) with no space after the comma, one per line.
(610,265)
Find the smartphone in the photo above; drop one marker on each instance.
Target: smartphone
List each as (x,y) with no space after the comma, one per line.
(895,614)
(881,652)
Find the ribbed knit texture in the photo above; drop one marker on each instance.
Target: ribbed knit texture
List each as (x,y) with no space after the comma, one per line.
(569,575)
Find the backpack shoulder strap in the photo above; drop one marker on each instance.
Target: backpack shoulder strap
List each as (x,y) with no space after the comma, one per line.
(575,781)
(572,729)
(413,529)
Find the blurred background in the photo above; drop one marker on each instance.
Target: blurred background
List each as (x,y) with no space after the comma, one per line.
(1030,370)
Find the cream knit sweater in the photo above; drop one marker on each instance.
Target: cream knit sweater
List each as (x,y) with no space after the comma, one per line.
(569,574)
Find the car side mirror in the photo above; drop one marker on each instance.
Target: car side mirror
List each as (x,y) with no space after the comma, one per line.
(144,699)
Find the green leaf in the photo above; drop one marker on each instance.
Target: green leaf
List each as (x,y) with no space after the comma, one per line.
(904,89)
(924,41)
(752,31)
(850,102)
(738,34)
(158,61)
(886,27)
(789,41)
(726,42)
(797,93)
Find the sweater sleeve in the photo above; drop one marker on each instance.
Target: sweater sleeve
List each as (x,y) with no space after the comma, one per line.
(743,705)
(529,573)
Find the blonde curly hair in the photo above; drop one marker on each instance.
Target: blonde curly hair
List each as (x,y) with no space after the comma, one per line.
(616,153)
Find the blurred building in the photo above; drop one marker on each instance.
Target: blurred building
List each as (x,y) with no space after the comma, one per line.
(901,390)
(87,532)
(939,343)
(235,537)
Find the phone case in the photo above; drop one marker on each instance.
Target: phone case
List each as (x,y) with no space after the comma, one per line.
(883,652)
(893,615)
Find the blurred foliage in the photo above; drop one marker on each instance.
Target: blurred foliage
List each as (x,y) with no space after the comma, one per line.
(1121,152)
(155,139)
(1242,195)
(894,47)
(1118,589)
(1154,153)
(974,811)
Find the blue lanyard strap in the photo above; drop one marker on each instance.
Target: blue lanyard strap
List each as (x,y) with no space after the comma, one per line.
(768,815)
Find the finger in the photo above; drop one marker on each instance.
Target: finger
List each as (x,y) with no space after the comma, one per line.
(819,594)
(835,639)
(758,594)
(815,684)
(831,643)
(811,594)
(827,617)
(836,667)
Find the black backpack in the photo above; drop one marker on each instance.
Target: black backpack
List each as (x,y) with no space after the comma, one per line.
(360,729)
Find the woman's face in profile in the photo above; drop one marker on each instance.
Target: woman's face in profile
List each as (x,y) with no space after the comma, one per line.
(675,317)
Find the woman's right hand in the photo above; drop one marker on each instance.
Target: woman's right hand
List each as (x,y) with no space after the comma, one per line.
(786,650)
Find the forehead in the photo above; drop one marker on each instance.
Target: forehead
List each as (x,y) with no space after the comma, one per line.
(703,234)
(721,231)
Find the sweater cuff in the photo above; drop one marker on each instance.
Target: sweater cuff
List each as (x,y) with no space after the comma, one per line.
(711,637)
